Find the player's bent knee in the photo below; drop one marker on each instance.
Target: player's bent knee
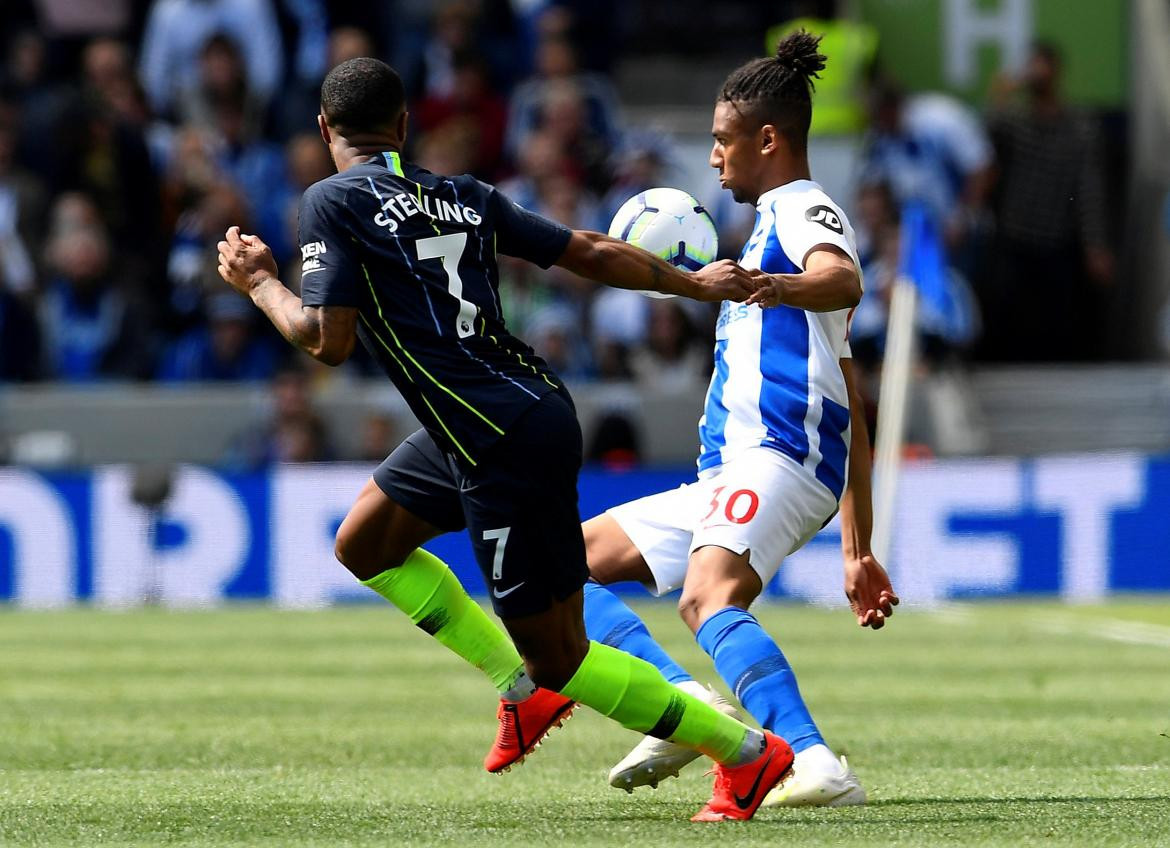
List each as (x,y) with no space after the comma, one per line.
(699,602)
(691,609)
(344,546)
(365,555)
(716,579)
(367,561)
(348,551)
(377,534)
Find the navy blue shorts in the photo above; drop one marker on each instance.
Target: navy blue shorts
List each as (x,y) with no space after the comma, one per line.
(519,504)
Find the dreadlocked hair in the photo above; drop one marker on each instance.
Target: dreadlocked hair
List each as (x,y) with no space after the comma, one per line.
(778,89)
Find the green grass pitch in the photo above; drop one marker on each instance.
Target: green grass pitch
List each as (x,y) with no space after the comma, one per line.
(984,724)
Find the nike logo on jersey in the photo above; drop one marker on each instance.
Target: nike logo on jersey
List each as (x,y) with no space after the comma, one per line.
(826,217)
(497,593)
(745,802)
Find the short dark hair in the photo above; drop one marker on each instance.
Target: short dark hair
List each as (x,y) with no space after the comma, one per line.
(778,89)
(362,94)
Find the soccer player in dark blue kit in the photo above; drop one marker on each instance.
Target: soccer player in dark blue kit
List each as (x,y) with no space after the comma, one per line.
(405,260)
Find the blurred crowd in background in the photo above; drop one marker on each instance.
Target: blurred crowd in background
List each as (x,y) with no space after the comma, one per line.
(132,134)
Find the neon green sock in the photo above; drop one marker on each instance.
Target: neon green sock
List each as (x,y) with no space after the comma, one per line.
(424,588)
(633,693)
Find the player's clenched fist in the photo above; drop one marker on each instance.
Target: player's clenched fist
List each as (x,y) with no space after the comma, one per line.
(244,261)
(724,280)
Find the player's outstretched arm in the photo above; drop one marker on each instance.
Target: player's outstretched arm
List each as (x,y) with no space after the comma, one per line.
(830,282)
(866,583)
(614,262)
(326,333)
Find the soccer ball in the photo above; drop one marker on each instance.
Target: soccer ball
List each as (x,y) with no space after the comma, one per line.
(668,223)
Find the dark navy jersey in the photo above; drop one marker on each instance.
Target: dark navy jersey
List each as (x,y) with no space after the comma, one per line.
(415,252)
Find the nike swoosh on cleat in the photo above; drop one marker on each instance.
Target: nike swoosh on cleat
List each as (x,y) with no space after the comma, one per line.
(746,801)
(506,593)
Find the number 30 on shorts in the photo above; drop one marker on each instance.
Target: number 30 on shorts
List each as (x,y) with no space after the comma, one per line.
(739,508)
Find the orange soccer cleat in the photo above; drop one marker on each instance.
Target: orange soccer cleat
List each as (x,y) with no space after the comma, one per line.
(740,789)
(524,725)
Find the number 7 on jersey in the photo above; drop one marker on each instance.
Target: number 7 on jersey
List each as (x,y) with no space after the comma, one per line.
(449,248)
(501,539)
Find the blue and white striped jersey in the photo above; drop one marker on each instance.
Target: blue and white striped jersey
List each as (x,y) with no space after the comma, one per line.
(777,379)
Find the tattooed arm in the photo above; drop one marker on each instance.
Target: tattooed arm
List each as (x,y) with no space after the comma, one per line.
(326,333)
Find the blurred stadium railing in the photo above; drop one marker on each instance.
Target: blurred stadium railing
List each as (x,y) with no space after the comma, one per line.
(1008,411)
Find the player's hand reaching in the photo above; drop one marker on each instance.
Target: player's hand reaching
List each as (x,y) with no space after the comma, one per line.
(245,261)
(767,289)
(723,280)
(867,586)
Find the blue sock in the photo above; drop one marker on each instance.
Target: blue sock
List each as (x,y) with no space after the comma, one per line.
(611,622)
(752,665)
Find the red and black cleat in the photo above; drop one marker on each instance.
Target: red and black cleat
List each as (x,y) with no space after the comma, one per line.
(740,789)
(523,727)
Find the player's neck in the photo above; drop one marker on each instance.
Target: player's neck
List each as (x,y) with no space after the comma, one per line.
(787,173)
(360,148)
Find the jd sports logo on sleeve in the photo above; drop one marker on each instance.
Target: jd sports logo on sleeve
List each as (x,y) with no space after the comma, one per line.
(826,217)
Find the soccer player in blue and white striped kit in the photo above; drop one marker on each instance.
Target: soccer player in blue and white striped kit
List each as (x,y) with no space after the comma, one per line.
(783,444)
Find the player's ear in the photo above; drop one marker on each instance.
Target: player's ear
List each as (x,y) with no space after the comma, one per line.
(324,128)
(403,120)
(769,139)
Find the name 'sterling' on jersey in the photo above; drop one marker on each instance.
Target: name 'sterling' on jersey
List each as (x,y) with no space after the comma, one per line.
(401,206)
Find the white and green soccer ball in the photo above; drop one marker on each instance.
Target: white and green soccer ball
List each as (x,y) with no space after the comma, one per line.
(668,223)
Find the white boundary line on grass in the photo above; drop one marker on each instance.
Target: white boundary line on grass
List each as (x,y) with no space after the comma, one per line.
(953,613)
(1111,629)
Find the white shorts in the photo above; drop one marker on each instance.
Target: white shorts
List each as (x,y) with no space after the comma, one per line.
(761,501)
